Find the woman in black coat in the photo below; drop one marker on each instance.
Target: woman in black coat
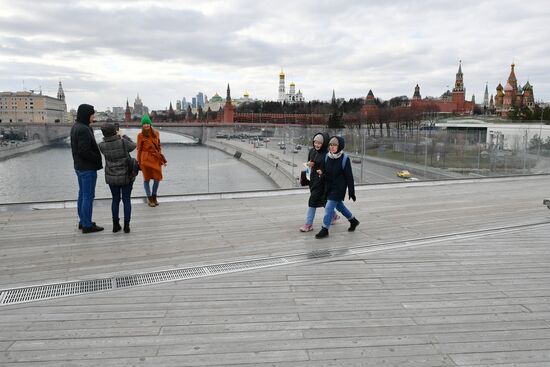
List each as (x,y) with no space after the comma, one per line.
(316,163)
(338,178)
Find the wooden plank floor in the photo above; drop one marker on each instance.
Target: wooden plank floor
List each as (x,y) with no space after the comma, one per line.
(459,301)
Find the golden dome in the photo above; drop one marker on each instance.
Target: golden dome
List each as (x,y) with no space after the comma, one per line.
(281,74)
(292,84)
(246,93)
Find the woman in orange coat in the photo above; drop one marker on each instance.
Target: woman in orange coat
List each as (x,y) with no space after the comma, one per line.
(150,158)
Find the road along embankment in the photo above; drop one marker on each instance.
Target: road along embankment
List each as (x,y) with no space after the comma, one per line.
(271,168)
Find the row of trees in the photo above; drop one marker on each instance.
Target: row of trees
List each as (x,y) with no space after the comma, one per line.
(526,114)
(535,142)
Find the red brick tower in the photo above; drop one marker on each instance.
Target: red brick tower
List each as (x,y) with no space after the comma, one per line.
(228,109)
(127,113)
(459,92)
(370,109)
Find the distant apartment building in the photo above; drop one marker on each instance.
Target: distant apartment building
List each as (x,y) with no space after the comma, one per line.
(118,113)
(33,107)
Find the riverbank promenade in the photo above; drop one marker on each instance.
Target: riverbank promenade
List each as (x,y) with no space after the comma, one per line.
(438,274)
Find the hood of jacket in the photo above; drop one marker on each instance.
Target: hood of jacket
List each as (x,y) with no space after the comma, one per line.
(84,112)
(324,147)
(341,143)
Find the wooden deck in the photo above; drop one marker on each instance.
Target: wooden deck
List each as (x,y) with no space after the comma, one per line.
(443,274)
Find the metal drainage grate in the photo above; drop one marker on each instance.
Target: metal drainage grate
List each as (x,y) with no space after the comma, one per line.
(159,277)
(20,295)
(37,293)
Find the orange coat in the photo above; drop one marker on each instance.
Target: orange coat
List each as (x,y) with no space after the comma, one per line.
(149,156)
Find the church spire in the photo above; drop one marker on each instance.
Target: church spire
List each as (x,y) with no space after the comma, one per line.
(60,92)
(333,97)
(228,97)
(486,96)
(512,77)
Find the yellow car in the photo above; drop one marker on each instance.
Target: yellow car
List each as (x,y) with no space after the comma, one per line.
(404,174)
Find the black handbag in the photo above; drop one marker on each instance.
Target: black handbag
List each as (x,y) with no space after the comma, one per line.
(133,165)
(303,178)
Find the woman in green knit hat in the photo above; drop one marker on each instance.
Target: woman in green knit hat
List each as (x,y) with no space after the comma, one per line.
(150,158)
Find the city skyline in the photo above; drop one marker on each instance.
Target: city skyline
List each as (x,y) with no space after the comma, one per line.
(105,52)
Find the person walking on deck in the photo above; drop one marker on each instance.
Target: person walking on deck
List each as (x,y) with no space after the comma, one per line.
(150,159)
(86,161)
(338,179)
(316,165)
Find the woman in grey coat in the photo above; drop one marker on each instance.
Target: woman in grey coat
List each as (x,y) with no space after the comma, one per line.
(116,150)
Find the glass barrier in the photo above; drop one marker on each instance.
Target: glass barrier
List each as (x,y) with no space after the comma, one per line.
(244,157)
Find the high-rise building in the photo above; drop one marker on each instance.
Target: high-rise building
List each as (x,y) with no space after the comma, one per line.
(33,107)
(200,99)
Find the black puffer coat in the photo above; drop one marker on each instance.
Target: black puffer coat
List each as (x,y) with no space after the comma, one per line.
(337,180)
(317,198)
(116,159)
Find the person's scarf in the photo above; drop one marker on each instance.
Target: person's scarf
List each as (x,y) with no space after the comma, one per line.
(335,155)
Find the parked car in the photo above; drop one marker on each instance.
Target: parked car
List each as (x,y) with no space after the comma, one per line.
(403,173)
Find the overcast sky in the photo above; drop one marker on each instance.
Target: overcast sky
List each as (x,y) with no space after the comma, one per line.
(107,51)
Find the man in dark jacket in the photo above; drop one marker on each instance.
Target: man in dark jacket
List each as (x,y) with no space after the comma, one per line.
(87,161)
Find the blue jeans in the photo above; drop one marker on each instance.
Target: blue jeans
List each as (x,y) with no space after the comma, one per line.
(86,194)
(329,211)
(124,191)
(148,189)
(311,214)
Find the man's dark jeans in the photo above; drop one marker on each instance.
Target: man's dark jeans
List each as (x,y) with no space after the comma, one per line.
(86,194)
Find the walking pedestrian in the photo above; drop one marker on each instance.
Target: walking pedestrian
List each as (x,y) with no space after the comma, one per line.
(316,165)
(150,158)
(87,161)
(116,150)
(338,179)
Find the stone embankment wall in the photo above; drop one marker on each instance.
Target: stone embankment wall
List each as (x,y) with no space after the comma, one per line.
(282,178)
(20,148)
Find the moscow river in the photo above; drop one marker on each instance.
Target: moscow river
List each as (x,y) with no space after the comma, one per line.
(48,174)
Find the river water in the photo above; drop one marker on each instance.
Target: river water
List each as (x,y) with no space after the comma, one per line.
(48,174)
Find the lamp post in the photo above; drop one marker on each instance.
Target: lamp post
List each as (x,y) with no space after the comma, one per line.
(540,130)
(404,150)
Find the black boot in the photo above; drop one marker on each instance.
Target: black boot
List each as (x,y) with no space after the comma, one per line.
(322,233)
(80,225)
(116,225)
(126,226)
(92,229)
(353,223)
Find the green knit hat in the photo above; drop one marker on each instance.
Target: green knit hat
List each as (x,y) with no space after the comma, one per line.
(146,120)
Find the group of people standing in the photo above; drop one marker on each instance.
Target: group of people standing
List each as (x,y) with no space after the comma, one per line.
(116,149)
(330,176)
